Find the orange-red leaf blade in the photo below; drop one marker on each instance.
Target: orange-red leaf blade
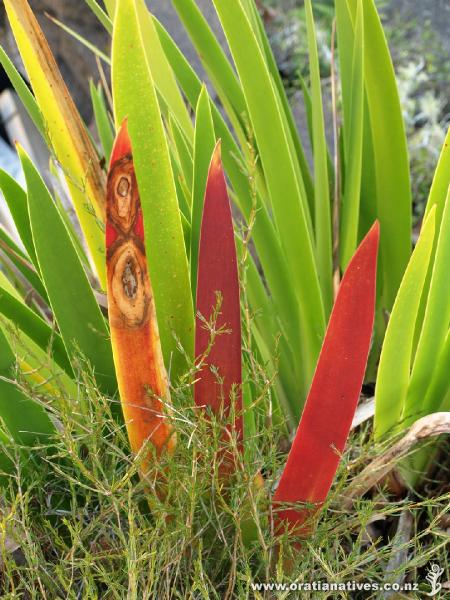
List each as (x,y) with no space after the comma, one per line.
(135,339)
(334,393)
(220,377)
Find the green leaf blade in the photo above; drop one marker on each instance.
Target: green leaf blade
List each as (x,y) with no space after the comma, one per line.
(393,190)
(204,143)
(26,420)
(435,324)
(353,143)
(16,200)
(396,355)
(286,201)
(102,120)
(74,306)
(135,98)
(34,327)
(322,212)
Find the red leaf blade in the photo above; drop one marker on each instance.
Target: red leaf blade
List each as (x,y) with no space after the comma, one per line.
(334,392)
(218,272)
(135,340)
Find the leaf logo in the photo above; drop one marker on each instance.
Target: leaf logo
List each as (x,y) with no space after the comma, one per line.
(433,576)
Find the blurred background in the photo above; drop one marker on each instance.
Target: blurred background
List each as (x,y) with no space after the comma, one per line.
(418,33)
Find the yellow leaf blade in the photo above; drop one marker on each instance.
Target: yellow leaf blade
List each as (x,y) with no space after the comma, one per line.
(64,127)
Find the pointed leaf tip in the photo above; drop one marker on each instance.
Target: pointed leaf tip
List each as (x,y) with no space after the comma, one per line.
(122,144)
(218,272)
(134,329)
(216,161)
(374,232)
(333,397)
(135,96)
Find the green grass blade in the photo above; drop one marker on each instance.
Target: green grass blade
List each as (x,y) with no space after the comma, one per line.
(81,39)
(74,306)
(39,362)
(280,173)
(7,465)
(322,212)
(135,98)
(249,415)
(102,120)
(204,144)
(396,355)
(435,324)
(353,148)
(184,72)
(367,213)
(385,187)
(290,127)
(100,14)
